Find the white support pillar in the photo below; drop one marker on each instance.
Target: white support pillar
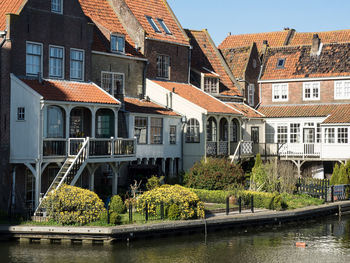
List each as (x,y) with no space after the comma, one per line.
(218,128)
(171,167)
(116,123)
(37,176)
(115,168)
(139,161)
(93,122)
(92,169)
(163,166)
(67,122)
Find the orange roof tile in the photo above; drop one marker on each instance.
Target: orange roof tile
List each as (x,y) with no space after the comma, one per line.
(335,113)
(247,111)
(237,60)
(157,9)
(9,6)
(197,96)
(333,61)
(275,39)
(107,22)
(305,38)
(143,106)
(61,90)
(204,54)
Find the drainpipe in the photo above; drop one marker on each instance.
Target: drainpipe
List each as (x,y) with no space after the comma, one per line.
(13,195)
(144,79)
(189,63)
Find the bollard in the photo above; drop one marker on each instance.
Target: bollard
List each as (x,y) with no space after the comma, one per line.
(332,193)
(227,205)
(146,211)
(130,212)
(162,210)
(240,204)
(252,203)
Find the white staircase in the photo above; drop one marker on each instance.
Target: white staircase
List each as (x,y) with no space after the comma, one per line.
(69,172)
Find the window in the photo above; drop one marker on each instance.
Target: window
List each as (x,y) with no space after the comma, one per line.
(280,62)
(113,83)
(255,134)
(56,62)
(342,135)
(57,6)
(192,133)
(172,134)
(311,91)
(234,130)
(140,130)
(117,43)
(153,24)
(318,133)
(329,135)
(251,89)
(279,92)
(104,123)
(55,122)
(163,66)
(211,130)
(76,64)
(163,25)
(211,85)
(33,59)
(342,90)
(156,130)
(269,133)
(20,113)
(295,133)
(282,133)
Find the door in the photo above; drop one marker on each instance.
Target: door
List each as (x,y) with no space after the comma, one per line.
(255,139)
(309,140)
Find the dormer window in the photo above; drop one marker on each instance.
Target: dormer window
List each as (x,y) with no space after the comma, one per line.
(153,24)
(57,6)
(280,63)
(117,43)
(163,25)
(211,85)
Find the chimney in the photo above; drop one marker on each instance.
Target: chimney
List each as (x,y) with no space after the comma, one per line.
(173,89)
(265,45)
(316,41)
(229,34)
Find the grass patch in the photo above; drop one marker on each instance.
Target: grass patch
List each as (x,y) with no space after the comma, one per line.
(300,200)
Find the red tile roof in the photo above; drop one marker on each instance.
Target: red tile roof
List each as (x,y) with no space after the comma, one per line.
(102,15)
(205,54)
(237,59)
(148,107)
(335,113)
(61,90)
(275,39)
(305,38)
(9,6)
(333,61)
(158,9)
(198,97)
(247,111)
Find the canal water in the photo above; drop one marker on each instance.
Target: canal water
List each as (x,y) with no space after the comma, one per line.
(327,240)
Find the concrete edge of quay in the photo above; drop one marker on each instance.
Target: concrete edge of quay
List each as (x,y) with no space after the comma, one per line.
(106,235)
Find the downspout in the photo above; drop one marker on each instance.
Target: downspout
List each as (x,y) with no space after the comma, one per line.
(189,63)
(13,194)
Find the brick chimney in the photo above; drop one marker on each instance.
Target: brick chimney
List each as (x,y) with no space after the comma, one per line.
(265,45)
(316,42)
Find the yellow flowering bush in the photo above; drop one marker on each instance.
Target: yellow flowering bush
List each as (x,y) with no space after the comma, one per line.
(73,205)
(188,202)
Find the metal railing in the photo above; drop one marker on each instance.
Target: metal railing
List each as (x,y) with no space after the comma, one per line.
(301,150)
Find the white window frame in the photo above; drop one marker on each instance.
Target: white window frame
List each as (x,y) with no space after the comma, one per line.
(192,131)
(330,139)
(164,26)
(63,61)
(70,64)
(116,37)
(141,128)
(21,115)
(209,84)
(41,58)
(251,94)
(342,135)
(312,86)
(339,90)
(280,135)
(277,90)
(172,136)
(169,67)
(60,2)
(154,137)
(113,87)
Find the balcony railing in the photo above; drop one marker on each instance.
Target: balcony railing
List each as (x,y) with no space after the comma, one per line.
(98,148)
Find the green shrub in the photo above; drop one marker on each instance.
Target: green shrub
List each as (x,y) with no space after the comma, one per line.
(341,174)
(214,174)
(272,201)
(152,183)
(174,212)
(73,205)
(117,205)
(187,201)
(213,196)
(335,175)
(114,218)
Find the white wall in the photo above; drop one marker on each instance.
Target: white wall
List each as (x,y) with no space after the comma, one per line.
(247,127)
(24,137)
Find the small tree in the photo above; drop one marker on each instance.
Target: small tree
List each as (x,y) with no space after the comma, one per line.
(335,175)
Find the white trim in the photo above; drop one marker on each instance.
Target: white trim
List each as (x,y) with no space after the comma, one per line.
(41,59)
(169,66)
(279,87)
(311,90)
(118,55)
(342,96)
(304,79)
(63,61)
(117,35)
(60,12)
(70,68)
(114,73)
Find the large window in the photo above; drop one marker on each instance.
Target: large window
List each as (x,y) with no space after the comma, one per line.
(342,135)
(33,58)
(211,85)
(172,134)
(55,122)
(76,64)
(117,43)
(56,62)
(279,92)
(318,133)
(104,123)
(342,90)
(311,91)
(329,135)
(269,133)
(140,130)
(251,91)
(57,6)
(295,132)
(234,130)
(282,133)
(156,130)
(163,66)
(113,83)
(211,130)
(192,133)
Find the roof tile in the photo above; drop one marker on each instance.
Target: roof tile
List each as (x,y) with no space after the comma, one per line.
(8,6)
(148,107)
(247,111)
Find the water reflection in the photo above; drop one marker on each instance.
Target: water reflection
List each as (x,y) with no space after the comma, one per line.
(327,240)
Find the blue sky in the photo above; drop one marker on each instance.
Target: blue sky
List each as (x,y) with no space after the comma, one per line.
(252,16)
